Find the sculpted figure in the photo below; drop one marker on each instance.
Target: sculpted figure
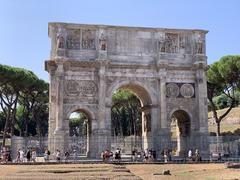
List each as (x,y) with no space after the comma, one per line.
(102,42)
(60,38)
(200,44)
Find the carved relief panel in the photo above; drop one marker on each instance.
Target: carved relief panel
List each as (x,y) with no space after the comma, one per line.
(179,43)
(73,39)
(88,39)
(171,43)
(180,90)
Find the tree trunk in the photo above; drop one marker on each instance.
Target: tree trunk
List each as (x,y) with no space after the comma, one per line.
(5,130)
(218,129)
(14,111)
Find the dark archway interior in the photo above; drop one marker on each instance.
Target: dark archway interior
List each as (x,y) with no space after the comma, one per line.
(182,122)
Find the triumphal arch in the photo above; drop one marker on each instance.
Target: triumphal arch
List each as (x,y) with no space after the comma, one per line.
(165,68)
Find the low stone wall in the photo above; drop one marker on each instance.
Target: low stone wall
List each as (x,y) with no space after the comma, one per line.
(39,143)
(226,145)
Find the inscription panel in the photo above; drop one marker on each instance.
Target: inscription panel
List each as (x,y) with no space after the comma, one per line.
(80,88)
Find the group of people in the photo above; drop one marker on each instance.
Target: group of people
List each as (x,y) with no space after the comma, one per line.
(5,155)
(167,155)
(29,156)
(108,156)
(147,155)
(194,157)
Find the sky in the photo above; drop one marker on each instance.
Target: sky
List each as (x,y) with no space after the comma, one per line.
(24,38)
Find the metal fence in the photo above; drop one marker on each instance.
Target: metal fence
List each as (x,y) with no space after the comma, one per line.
(227,146)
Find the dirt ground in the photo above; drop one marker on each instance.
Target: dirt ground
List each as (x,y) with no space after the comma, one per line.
(110,171)
(185,171)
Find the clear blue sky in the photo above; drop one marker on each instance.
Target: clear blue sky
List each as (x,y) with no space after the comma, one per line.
(24,38)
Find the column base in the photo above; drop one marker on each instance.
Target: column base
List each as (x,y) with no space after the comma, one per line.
(100,141)
(59,140)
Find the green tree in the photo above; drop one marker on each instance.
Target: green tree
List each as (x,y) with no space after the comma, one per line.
(223,78)
(33,97)
(126,114)
(12,81)
(17,84)
(78,124)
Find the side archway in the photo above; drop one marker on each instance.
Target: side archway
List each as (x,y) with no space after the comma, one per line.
(182,122)
(79,123)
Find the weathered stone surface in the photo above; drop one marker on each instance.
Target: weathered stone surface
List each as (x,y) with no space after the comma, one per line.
(164,67)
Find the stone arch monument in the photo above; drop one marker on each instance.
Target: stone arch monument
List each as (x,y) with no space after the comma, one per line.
(165,68)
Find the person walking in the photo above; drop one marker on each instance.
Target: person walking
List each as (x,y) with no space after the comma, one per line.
(58,155)
(21,154)
(18,156)
(34,155)
(28,155)
(190,155)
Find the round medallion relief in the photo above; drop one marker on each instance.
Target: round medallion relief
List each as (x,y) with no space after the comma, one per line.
(187,90)
(71,87)
(172,90)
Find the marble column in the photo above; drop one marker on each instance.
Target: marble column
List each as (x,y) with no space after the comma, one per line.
(202,134)
(59,132)
(52,106)
(103,132)
(164,135)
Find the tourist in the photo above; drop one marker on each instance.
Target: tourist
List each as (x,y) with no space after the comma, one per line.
(66,154)
(146,155)
(46,155)
(219,157)
(150,155)
(106,155)
(165,155)
(170,155)
(4,155)
(134,155)
(9,158)
(74,155)
(197,155)
(34,155)
(21,153)
(118,155)
(28,155)
(190,155)
(18,156)
(58,155)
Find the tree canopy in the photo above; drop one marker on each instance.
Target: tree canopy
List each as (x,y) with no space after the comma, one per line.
(20,88)
(223,79)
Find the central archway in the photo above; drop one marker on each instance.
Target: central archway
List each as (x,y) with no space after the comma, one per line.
(135,141)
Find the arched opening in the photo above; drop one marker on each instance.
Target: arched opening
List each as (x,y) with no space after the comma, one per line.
(180,132)
(130,118)
(79,133)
